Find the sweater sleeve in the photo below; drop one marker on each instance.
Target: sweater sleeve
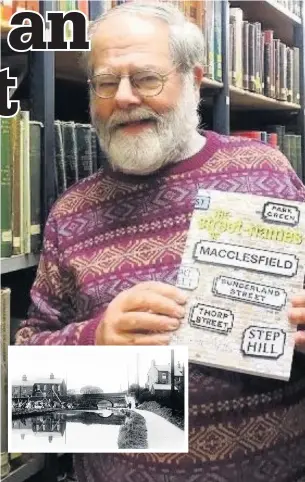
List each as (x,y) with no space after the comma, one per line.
(51,313)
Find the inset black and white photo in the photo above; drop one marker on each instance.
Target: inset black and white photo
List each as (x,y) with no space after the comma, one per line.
(67,399)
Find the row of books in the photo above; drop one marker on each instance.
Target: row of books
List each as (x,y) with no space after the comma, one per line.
(288,143)
(20,184)
(294,6)
(205,13)
(77,153)
(261,63)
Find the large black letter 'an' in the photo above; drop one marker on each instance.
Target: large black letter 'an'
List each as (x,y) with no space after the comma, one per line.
(35,32)
(57,22)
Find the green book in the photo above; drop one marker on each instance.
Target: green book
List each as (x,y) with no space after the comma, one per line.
(6,189)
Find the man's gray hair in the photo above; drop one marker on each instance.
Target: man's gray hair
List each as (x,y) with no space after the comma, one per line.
(186,41)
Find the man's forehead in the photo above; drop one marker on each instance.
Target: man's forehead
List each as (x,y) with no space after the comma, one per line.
(123,30)
(139,41)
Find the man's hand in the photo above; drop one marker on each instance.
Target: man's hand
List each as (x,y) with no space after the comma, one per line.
(296,316)
(146,314)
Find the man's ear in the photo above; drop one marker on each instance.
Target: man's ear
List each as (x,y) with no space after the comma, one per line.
(198,75)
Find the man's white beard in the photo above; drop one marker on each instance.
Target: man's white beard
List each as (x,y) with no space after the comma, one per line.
(163,143)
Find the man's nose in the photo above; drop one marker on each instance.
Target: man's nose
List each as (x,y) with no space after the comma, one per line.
(126,96)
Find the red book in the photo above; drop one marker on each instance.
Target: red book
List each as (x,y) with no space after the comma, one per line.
(32,5)
(83,6)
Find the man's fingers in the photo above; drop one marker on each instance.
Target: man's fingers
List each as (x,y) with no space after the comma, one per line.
(159,339)
(164,289)
(145,300)
(134,321)
(298,300)
(297,315)
(300,338)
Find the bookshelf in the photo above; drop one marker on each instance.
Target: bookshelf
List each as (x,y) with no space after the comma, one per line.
(31,467)
(18,262)
(41,70)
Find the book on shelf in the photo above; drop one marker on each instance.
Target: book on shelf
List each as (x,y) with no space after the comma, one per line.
(21,185)
(5,341)
(77,153)
(289,143)
(260,62)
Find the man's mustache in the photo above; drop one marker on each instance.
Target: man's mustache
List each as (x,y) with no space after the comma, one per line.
(121,118)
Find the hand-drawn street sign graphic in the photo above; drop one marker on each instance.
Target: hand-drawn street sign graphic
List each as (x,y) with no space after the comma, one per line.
(202,200)
(249,292)
(281,213)
(188,277)
(244,257)
(211,318)
(264,342)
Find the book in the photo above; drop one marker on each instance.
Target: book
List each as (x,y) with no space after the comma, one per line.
(5,341)
(244,258)
(6,188)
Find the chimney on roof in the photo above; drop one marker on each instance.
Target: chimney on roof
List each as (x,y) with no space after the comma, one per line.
(51,376)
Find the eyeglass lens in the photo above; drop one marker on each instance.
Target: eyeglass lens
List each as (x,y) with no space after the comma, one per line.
(147,83)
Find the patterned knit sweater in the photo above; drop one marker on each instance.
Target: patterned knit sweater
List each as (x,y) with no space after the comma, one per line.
(110,231)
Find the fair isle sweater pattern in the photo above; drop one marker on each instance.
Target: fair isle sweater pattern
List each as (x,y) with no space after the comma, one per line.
(109,232)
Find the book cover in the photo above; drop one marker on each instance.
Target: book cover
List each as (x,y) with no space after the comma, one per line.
(6,188)
(244,258)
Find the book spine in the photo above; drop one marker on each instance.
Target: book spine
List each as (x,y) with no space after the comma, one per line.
(299,160)
(96,8)
(70,152)
(32,5)
(94,149)
(83,6)
(6,188)
(217,41)
(268,57)
(210,36)
(6,10)
(5,341)
(296,75)
(35,176)
(61,179)
(276,46)
(257,57)
(251,57)
(289,74)
(236,16)
(17,184)
(283,71)
(246,55)
(25,120)
(84,152)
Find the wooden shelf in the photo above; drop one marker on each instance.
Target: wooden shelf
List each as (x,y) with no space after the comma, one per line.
(211,84)
(26,470)
(242,99)
(280,10)
(19,262)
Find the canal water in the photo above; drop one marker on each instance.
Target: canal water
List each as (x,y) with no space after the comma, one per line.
(68,431)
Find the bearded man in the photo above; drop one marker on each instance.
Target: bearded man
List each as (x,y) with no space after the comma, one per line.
(113,245)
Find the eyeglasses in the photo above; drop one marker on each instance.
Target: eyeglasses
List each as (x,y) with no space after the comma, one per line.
(147,83)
